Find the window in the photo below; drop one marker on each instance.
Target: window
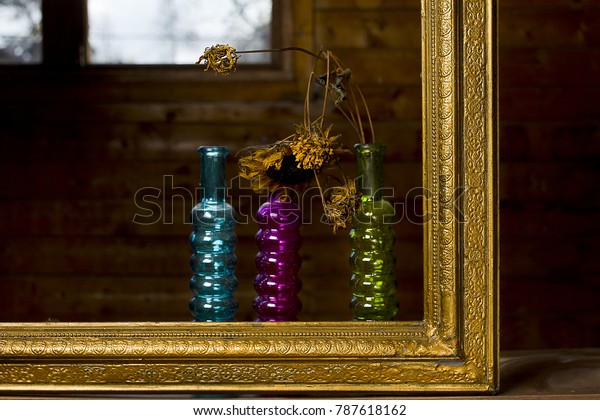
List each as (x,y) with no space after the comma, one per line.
(131,32)
(20,32)
(175,31)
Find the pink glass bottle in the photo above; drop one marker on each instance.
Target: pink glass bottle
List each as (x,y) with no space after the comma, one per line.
(278,261)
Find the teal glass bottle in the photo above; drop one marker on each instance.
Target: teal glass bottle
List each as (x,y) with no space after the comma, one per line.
(372,239)
(213,242)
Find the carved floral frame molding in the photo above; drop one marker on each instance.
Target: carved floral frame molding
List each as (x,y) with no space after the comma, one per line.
(454,348)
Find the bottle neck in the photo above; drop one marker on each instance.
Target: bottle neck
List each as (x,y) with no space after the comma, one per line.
(370,169)
(212,172)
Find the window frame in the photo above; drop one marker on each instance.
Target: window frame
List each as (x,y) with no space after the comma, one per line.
(65,47)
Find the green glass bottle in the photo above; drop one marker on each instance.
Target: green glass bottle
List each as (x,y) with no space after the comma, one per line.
(372,239)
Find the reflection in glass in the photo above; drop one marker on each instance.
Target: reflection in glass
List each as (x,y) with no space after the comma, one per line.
(175,31)
(20,32)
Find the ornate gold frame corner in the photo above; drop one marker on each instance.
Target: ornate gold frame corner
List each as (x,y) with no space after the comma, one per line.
(454,348)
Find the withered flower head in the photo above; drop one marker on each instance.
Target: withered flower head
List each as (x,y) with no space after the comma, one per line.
(314,148)
(271,167)
(254,166)
(222,58)
(293,161)
(337,83)
(340,204)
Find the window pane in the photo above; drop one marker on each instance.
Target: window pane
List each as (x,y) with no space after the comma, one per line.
(20,32)
(175,31)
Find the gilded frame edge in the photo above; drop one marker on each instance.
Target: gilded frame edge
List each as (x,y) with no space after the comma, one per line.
(453,349)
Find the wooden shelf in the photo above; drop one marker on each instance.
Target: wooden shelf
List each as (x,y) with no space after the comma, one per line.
(560,374)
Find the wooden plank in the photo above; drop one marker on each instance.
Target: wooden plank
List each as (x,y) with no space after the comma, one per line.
(169,256)
(366,4)
(379,95)
(555,103)
(77,141)
(138,141)
(123,180)
(383,67)
(553,330)
(527,67)
(90,180)
(324,301)
(110,217)
(377,29)
(151,298)
(542,296)
(549,27)
(34,86)
(84,256)
(547,220)
(549,181)
(559,327)
(548,141)
(224,112)
(169,218)
(76,180)
(83,298)
(563,373)
(561,259)
(536,5)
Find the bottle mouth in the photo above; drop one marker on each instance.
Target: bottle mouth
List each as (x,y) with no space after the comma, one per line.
(213,151)
(366,148)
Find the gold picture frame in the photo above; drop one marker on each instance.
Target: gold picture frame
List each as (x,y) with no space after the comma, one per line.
(454,348)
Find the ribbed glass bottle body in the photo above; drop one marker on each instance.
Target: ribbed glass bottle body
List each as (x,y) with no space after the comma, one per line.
(278,260)
(372,239)
(213,241)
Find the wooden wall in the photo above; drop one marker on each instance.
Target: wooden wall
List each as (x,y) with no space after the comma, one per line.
(76,145)
(549,150)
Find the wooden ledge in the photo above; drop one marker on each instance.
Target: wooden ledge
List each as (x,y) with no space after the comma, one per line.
(560,374)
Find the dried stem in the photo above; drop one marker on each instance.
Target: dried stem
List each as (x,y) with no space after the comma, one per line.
(307,103)
(320,189)
(354,117)
(326,86)
(362,97)
(274,50)
(357,113)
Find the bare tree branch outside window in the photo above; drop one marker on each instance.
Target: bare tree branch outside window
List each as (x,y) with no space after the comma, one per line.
(20,32)
(174,31)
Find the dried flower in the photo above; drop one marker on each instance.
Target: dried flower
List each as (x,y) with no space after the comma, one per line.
(340,205)
(271,167)
(290,162)
(337,80)
(222,58)
(254,166)
(313,148)
(301,158)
